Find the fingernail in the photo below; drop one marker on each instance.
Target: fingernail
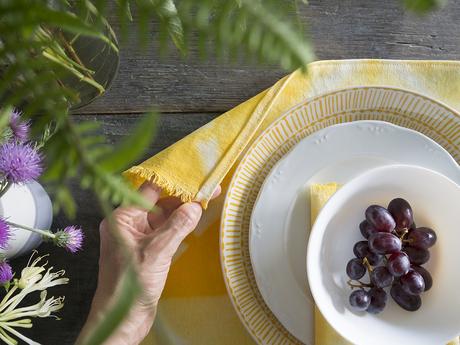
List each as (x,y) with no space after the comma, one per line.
(217,191)
(195,208)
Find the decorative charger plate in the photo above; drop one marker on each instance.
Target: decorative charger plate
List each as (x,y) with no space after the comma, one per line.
(397,106)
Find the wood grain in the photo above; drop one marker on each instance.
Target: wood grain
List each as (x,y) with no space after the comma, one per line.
(340,29)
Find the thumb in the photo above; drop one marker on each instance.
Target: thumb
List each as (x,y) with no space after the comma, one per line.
(166,240)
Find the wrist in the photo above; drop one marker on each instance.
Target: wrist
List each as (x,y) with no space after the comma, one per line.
(131,331)
(134,328)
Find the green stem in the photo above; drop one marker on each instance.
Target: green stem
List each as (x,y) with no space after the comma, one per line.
(13,301)
(6,338)
(403,234)
(12,315)
(7,296)
(4,187)
(19,335)
(368,265)
(20,323)
(76,73)
(16,300)
(46,233)
(360,285)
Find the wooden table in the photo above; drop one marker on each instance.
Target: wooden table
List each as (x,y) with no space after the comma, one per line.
(190,93)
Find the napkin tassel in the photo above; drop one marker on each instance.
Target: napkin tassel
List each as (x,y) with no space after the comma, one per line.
(138,175)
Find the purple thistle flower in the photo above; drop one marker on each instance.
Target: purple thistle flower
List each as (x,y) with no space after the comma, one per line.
(6,273)
(5,233)
(19,127)
(70,238)
(19,163)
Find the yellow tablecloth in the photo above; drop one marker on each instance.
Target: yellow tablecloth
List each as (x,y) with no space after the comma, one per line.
(195,308)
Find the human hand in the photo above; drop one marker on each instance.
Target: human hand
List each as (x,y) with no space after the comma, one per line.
(153,238)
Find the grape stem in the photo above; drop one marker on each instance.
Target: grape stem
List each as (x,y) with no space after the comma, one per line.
(368,265)
(360,285)
(406,230)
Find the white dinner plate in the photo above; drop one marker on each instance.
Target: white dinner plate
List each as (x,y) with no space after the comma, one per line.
(280,222)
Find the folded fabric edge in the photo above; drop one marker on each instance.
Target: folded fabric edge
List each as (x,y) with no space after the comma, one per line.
(444,63)
(138,175)
(244,138)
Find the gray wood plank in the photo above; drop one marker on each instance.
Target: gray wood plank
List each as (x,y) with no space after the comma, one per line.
(82,268)
(340,29)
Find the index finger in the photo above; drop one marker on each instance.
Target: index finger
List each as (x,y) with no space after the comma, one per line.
(150,191)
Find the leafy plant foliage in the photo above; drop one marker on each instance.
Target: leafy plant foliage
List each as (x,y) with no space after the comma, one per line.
(37,58)
(423,6)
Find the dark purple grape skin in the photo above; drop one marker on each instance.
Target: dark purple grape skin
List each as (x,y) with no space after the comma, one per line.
(360,300)
(425,274)
(381,277)
(412,283)
(361,249)
(417,256)
(404,300)
(422,238)
(373,258)
(355,269)
(398,264)
(366,229)
(380,218)
(401,212)
(384,243)
(379,300)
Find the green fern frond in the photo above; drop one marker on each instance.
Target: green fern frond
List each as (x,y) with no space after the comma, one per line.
(423,6)
(256,28)
(37,57)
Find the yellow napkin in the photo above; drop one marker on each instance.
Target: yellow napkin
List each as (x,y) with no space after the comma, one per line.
(195,305)
(194,166)
(324,333)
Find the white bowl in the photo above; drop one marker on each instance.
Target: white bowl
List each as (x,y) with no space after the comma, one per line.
(435,201)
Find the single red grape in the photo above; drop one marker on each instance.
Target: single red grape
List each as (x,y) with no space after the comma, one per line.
(405,300)
(361,249)
(422,238)
(381,277)
(398,264)
(366,229)
(401,212)
(426,276)
(380,218)
(417,256)
(373,258)
(384,243)
(355,269)
(412,283)
(378,302)
(360,300)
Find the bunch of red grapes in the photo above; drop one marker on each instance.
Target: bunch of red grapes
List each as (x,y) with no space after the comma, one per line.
(393,254)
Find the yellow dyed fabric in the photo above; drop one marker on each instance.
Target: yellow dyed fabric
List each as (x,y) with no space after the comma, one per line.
(195,308)
(194,166)
(324,333)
